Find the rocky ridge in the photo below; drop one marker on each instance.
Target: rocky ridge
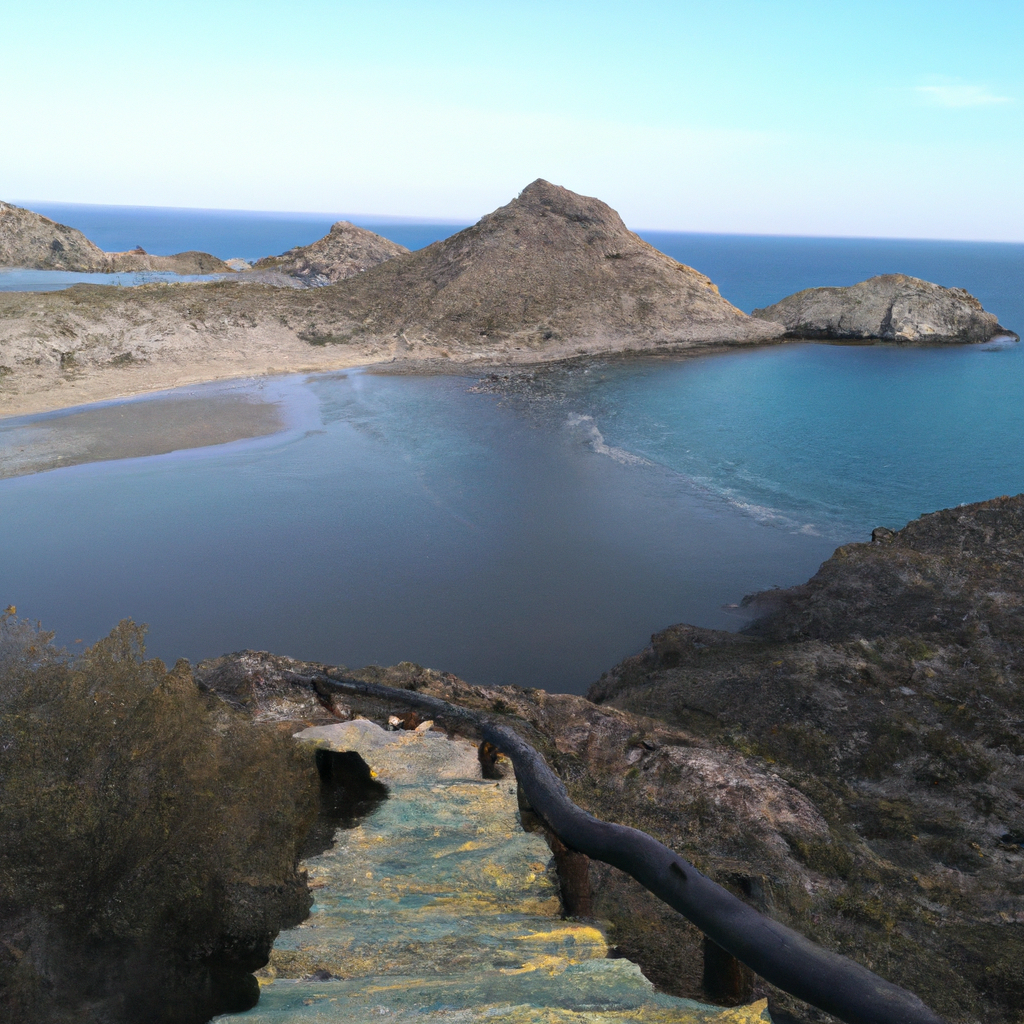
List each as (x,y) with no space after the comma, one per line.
(886,690)
(34,242)
(345,251)
(891,307)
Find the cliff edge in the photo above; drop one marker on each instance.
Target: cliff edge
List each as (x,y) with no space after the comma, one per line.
(886,690)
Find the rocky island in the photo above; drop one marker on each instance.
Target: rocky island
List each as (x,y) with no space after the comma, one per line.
(891,307)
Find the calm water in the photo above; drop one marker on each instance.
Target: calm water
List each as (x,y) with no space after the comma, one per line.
(536,536)
(19,280)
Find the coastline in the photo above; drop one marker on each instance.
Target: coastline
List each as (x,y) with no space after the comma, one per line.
(59,389)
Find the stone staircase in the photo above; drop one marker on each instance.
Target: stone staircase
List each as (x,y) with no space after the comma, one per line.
(439,907)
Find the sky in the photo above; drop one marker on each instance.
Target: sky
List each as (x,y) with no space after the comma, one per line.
(806,117)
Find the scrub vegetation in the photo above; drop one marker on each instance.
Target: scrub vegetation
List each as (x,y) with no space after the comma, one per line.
(149,836)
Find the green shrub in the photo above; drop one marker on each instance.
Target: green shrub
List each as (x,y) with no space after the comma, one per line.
(141,822)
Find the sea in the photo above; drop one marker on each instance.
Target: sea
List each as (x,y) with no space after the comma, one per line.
(532,529)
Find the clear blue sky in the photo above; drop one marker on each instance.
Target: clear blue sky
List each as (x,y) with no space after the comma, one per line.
(901,119)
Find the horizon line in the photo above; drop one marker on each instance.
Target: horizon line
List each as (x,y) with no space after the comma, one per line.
(460,222)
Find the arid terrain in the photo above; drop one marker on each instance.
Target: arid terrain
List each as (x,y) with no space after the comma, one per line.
(550,275)
(850,764)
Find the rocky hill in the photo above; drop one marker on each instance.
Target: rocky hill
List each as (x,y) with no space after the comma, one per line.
(33,242)
(345,251)
(892,307)
(552,270)
(887,691)
(549,276)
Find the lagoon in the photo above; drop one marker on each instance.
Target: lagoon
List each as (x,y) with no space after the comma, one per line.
(531,529)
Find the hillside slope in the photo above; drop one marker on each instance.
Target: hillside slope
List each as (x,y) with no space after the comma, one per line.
(887,690)
(552,269)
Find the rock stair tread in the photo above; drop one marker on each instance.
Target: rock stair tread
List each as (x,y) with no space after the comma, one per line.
(439,907)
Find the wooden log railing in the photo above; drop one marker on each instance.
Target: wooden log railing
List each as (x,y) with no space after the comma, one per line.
(781,956)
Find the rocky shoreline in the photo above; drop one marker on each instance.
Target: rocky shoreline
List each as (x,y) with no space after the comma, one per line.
(850,763)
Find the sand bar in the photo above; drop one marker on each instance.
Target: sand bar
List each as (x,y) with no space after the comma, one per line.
(127,430)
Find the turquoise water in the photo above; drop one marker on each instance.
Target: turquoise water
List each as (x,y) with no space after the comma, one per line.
(830,439)
(534,538)
(535,533)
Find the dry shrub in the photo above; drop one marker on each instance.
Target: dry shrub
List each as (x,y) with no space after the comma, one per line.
(149,835)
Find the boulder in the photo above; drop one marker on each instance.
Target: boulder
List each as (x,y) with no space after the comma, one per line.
(891,307)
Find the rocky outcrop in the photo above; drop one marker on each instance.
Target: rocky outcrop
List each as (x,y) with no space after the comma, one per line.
(892,307)
(730,813)
(34,242)
(886,690)
(552,270)
(344,252)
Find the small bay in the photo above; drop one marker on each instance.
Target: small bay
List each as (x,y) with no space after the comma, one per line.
(532,529)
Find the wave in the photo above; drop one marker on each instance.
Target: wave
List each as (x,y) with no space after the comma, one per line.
(595,439)
(586,426)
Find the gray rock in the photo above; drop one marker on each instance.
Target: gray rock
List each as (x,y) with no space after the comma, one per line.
(891,307)
(344,252)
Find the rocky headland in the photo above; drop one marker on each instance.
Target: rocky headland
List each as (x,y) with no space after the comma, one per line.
(34,242)
(891,307)
(346,250)
(549,276)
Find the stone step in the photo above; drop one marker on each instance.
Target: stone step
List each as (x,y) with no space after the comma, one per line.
(439,906)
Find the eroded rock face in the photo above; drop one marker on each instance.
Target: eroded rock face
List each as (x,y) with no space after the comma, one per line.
(892,307)
(34,242)
(345,251)
(886,690)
